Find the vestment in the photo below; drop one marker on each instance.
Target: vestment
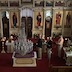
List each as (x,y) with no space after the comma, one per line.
(60,45)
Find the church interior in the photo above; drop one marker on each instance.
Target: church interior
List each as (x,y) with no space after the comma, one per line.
(36,35)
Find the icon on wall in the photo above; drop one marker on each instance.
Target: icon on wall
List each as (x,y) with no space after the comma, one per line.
(67,18)
(58,19)
(14,3)
(49,3)
(59,3)
(26,1)
(4,3)
(14,19)
(69,3)
(38,20)
(39,3)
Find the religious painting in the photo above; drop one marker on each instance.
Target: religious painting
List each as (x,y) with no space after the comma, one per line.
(60,3)
(14,19)
(67,19)
(4,3)
(39,3)
(50,3)
(26,1)
(58,19)
(14,3)
(38,19)
(69,3)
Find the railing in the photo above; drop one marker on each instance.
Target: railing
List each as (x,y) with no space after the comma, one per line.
(60,69)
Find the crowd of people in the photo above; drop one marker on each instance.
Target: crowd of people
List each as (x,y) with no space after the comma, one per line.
(48,45)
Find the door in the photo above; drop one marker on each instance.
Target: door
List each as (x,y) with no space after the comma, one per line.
(29,22)
(26,15)
(5,24)
(48,23)
(23,20)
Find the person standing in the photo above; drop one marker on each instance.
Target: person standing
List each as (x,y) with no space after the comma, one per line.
(49,47)
(39,45)
(60,45)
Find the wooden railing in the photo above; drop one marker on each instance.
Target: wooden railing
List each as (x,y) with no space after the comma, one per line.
(60,69)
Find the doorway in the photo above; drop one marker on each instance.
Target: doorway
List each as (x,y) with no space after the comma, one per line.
(5,24)
(27,18)
(48,22)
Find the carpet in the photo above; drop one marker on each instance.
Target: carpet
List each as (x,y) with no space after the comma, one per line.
(42,65)
(6,65)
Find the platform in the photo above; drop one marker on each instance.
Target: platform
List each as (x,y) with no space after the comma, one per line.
(28,60)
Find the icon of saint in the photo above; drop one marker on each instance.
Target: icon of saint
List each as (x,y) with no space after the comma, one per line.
(38,19)
(14,20)
(58,19)
(68,18)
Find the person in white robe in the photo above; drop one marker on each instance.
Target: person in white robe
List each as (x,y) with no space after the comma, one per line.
(60,44)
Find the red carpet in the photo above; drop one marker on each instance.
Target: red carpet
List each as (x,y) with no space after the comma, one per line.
(6,65)
(42,65)
(55,60)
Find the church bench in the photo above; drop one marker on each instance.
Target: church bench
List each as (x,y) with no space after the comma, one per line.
(60,69)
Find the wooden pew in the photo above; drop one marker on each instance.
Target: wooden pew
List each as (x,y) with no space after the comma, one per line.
(60,69)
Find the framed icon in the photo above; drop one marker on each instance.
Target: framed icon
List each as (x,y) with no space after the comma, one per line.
(50,3)
(39,3)
(38,19)
(67,19)
(4,3)
(26,1)
(58,15)
(59,3)
(14,3)
(69,3)
(14,17)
